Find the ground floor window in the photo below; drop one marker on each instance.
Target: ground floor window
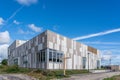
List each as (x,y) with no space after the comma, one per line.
(55,56)
(51,55)
(98,64)
(41,55)
(84,62)
(16,61)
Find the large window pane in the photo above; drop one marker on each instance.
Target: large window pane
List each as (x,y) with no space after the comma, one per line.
(50,56)
(84,62)
(55,56)
(42,55)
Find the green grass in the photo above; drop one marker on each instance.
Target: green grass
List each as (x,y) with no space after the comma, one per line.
(57,74)
(113,78)
(40,74)
(13,69)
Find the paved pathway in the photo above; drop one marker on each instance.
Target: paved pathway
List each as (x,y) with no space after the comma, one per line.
(97,76)
(15,77)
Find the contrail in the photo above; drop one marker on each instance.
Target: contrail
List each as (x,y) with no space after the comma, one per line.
(18,10)
(97,34)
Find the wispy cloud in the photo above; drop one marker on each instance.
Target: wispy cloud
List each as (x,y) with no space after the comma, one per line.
(27,2)
(16,22)
(103,43)
(107,55)
(14,14)
(20,31)
(35,28)
(23,3)
(97,34)
(1,21)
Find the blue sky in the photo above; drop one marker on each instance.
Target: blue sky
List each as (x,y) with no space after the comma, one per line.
(23,19)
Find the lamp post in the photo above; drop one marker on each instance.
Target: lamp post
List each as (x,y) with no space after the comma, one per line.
(64,65)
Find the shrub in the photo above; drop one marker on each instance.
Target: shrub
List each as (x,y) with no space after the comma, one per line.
(38,71)
(12,69)
(1,66)
(4,62)
(16,69)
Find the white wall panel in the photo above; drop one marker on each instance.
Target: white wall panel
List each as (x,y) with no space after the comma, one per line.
(50,45)
(36,43)
(40,46)
(74,46)
(50,65)
(58,40)
(69,63)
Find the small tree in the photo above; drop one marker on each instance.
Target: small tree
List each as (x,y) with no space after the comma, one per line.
(4,62)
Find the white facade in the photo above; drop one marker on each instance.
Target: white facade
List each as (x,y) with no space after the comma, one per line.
(46,51)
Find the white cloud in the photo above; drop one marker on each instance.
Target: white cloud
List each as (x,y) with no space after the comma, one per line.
(97,34)
(35,28)
(1,21)
(16,22)
(14,13)
(109,57)
(20,31)
(23,3)
(103,43)
(27,2)
(4,37)
(3,51)
(106,55)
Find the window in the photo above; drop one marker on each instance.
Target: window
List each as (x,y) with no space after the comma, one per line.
(98,64)
(16,61)
(43,39)
(84,62)
(55,56)
(61,56)
(42,55)
(50,56)
(58,57)
(24,59)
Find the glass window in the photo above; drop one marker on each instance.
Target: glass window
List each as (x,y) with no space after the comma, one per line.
(61,57)
(43,40)
(16,61)
(55,56)
(58,57)
(84,62)
(98,64)
(24,59)
(42,57)
(50,56)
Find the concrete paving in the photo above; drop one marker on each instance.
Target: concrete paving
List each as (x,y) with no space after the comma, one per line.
(91,76)
(96,76)
(15,77)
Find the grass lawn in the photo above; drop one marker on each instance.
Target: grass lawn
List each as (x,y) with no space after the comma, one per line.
(40,74)
(113,78)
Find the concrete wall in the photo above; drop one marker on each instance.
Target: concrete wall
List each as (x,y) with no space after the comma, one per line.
(29,52)
(75,50)
(115,67)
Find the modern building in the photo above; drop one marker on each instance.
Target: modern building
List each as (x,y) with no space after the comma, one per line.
(47,51)
(115,67)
